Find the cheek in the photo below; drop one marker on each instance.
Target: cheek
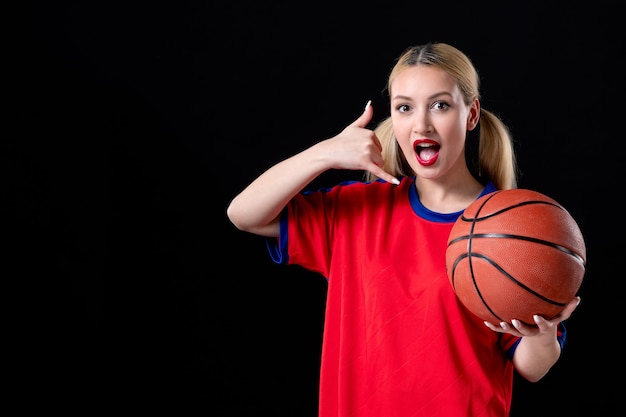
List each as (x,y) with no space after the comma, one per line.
(401,128)
(402,133)
(453,130)
(403,137)
(404,142)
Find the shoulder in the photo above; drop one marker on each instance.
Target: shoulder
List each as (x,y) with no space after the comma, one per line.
(354,196)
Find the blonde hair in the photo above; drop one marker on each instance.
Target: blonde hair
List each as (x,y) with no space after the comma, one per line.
(496,156)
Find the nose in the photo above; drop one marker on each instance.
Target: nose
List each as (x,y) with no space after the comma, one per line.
(422,123)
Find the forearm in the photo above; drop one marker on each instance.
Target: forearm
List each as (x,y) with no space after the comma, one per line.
(257,208)
(535,356)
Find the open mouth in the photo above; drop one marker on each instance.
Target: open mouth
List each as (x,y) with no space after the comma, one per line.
(426,151)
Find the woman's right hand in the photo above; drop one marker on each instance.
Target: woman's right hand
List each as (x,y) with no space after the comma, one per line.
(357,148)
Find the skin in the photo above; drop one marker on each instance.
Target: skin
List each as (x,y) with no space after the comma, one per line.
(426,107)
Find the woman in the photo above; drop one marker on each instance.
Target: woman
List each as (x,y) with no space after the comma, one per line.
(397,342)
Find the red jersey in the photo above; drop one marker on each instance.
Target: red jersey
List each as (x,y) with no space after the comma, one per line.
(397,342)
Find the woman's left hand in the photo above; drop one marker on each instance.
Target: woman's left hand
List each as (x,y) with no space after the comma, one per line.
(542,325)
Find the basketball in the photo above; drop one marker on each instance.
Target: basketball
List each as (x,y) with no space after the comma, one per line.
(515,253)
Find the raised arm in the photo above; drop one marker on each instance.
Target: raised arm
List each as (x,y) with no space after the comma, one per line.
(257,208)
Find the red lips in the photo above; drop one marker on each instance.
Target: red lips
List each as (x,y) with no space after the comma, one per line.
(426,151)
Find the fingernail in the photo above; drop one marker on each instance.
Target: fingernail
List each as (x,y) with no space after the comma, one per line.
(369,102)
(395,181)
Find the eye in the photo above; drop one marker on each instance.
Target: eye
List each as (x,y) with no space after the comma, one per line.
(440,105)
(403,108)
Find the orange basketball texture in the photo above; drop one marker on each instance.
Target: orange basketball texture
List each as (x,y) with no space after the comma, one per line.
(515,253)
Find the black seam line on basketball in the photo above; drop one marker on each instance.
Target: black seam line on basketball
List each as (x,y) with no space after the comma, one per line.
(473,225)
(499,268)
(479,219)
(518,237)
(465,255)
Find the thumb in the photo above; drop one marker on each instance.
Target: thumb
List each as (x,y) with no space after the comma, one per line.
(365,117)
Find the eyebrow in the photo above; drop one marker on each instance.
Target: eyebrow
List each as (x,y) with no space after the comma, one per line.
(432,96)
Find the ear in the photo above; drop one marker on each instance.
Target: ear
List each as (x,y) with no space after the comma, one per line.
(473,115)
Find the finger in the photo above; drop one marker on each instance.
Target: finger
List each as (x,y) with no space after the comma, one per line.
(375,169)
(365,117)
(562,316)
(493,327)
(569,309)
(380,173)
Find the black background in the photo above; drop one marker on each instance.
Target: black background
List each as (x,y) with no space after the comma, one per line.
(137,122)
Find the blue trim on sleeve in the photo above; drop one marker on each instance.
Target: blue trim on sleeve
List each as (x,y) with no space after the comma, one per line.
(277,247)
(561,333)
(326,189)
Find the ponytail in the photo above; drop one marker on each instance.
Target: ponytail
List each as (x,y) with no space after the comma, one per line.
(496,156)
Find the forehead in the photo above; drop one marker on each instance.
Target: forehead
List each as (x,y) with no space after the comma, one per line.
(422,81)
